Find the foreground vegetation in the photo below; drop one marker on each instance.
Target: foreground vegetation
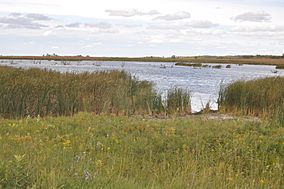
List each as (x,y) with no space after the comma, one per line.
(263,60)
(88,151)
(110,149)
(36,92)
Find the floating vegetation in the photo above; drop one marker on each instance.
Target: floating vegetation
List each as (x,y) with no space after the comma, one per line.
(217,66)
(189,64)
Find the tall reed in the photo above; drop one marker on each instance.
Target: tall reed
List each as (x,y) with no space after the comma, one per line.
(263,97)
(178,101)
(36,92)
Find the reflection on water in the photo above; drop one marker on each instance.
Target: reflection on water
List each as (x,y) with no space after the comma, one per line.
(203,83)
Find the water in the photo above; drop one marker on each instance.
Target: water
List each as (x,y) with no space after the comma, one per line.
(203,83)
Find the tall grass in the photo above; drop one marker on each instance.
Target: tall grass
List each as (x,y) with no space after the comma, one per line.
(37,92)
(262,97)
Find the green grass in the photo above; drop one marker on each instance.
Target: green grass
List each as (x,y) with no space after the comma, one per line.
(262,97)
(88,151)
(36,92)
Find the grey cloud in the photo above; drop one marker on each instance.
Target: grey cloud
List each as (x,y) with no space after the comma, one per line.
(131,13)
(15,14)
(25,21)
(202,24)
(74,25)
(31,16)
(20,23)
(175,16)
(37,17)
(100,25)
(253,17)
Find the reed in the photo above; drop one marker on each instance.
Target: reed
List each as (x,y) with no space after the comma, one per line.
(178,101)
(36,92)
(262,97)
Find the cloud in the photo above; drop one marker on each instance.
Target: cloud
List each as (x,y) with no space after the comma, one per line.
(100,25)
(74,25)
(259,29)
(131,13)
(175,16)
(202,24)
(195,24)
(38,17)
(26,21)
(253,17)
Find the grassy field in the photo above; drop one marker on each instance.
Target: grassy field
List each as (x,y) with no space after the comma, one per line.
(89,151)
(262,60)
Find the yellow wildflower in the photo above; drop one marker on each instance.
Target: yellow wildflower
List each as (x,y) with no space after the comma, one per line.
(66,143)
(261,181)
(99,163)
(19,158)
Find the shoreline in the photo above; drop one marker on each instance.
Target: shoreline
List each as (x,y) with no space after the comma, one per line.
(253,60)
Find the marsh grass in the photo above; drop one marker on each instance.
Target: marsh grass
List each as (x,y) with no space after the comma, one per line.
(88,151)
(261,97)
(35,92)
(280,66)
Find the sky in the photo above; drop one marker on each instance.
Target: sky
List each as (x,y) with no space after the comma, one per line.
(137,28)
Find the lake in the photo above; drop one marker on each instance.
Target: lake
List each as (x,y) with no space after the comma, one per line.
(203,83)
